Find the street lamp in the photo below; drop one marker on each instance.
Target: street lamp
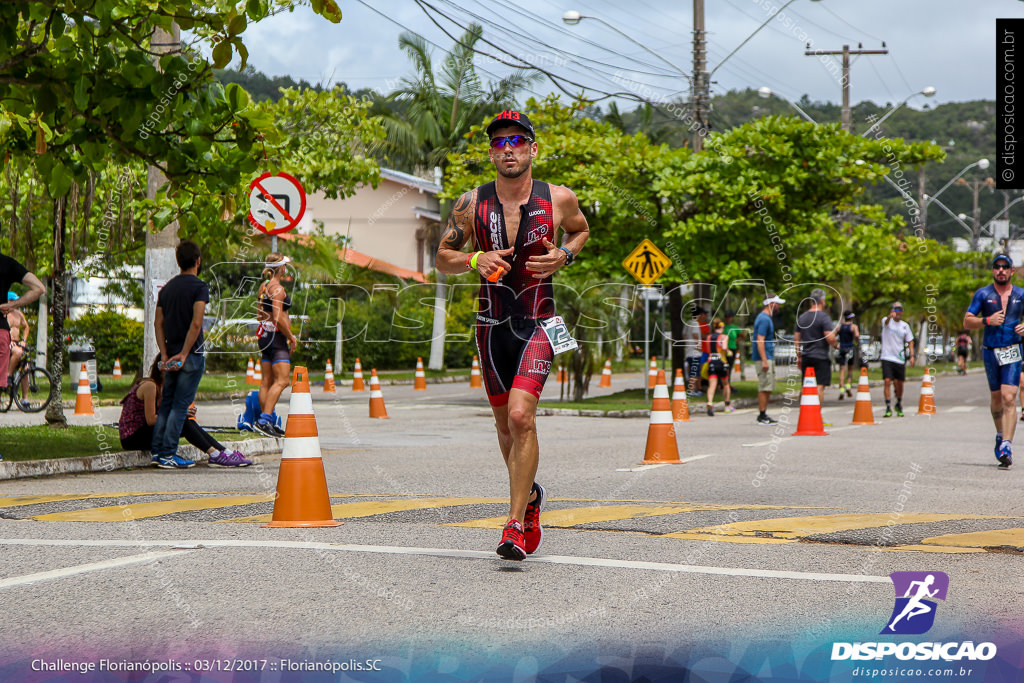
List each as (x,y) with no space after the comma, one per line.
(976,186)
(572,17)
(765,92)
(980,163)
(927,92)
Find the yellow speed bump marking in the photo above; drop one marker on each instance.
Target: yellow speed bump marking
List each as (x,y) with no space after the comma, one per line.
(381,507)
(794,528)
(571,517)
(999,538)
(133,511)
(39,499)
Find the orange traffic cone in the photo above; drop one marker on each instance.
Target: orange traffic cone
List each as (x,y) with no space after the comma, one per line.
(652,373)
(250,376)
(357,377)
(329,387)
(680,408)
(83,400)
(661,434)
(117,368)
(302,497)
(606,375)
(926,405)
(737,370)
(561,375)
(862,414)
(377,408)
(257,377)
(420,383)
(810,422)
(474,375)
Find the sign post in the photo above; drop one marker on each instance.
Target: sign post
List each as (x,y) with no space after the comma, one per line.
(646,263)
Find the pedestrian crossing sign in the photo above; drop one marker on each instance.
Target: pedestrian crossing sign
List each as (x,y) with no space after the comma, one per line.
(647,263)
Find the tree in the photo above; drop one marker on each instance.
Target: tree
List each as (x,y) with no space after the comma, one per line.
(79,90)
(435,114)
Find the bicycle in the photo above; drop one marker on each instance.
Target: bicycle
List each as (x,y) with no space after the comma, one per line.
(37,388)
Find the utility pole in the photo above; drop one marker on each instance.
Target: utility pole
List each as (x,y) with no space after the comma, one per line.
(700,94)
(160,262)
(845,53)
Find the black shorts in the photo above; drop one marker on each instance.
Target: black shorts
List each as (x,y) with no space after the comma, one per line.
(514,354)
(718,367)
(894,370)
(274,348)
(846,356)
(961,351)
(822,370)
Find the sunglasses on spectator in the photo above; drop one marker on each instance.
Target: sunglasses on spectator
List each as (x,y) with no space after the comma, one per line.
(1002,266)
(896,309)
(512,140)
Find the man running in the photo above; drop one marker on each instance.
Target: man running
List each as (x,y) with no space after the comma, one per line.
(513,223)
(849,337)
(998,308)
(897,353)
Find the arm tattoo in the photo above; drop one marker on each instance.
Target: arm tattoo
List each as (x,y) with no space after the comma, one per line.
(454,235)
(461,217)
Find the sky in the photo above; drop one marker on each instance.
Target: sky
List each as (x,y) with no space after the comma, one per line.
(945,44)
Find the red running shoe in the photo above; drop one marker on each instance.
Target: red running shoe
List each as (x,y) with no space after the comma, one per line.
(533,534)
(511,547)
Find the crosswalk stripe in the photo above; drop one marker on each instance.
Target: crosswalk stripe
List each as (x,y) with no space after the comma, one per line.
(997,538)
(381,507)
(133,511)
(793,528)
(571,517)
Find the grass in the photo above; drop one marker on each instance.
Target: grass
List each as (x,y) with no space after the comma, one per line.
(633,399)
(41,442)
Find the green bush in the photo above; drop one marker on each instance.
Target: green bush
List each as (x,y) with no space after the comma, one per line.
(114,336)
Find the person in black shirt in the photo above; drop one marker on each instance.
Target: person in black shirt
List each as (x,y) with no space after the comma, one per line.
(10,272)
(180,307)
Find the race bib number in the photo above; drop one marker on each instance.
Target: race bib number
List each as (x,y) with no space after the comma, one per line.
(1008,354)
(558,335)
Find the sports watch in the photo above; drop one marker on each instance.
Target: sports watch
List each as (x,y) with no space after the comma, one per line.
(569,256)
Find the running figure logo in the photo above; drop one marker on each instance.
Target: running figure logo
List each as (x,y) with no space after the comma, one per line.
(914,613)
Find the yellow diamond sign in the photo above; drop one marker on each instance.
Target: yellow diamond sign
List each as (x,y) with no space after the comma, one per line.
(646,263)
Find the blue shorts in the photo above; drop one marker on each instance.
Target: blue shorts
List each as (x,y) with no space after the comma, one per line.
(999,374)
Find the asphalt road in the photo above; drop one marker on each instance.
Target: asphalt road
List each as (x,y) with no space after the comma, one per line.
(761,550)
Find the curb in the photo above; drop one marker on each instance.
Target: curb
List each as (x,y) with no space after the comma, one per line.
(21,469)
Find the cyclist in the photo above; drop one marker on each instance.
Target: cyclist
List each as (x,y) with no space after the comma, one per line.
(10,272)
(19,336)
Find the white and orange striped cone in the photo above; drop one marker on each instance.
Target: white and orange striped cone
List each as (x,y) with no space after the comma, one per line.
(83,400)
(661,434)
(357,377)
(810,422)
(377,408)
(652,373)
(117,368)
(926,404)
(302,498)
(474,375)
(737,369)
(680,408)
(250,375)
(862,413)
(329,387)
(257,377)
(420,382)
(606,375)
(561,375)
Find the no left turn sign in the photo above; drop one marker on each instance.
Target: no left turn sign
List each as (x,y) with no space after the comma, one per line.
(276,203)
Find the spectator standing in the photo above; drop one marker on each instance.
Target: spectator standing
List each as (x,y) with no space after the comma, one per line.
(693,342)
(812,338)
(897,350)
(180,307)
(763,355)
(735,334)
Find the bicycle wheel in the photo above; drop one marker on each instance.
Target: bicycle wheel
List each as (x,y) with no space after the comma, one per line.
(6,398)
(35,384)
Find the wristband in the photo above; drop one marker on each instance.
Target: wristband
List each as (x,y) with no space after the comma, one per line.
(985,321)
(473,258)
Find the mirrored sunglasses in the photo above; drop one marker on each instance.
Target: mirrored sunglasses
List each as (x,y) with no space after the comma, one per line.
(512,140)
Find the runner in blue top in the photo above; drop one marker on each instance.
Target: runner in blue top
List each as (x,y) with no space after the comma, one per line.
(998,308)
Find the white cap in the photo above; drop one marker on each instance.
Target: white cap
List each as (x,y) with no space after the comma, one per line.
(277,264)
(774,299)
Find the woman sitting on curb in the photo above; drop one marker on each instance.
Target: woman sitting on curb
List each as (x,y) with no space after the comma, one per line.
(138,415)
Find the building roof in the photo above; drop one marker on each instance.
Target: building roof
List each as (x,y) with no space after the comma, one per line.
(410,180)
(358,258)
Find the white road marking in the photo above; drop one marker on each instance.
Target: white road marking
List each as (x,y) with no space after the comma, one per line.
(440,552)
(53,574)
(961,409)
(641,468)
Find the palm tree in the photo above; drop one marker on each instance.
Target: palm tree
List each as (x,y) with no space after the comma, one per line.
(433,115)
